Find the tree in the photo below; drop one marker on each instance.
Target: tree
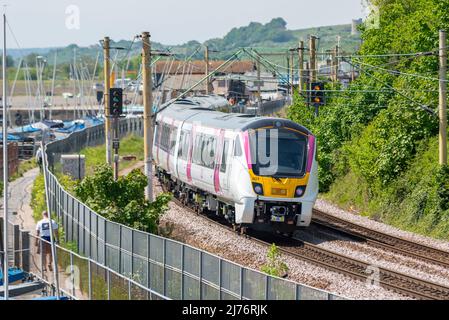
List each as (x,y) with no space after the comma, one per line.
(122,201)
(9,61)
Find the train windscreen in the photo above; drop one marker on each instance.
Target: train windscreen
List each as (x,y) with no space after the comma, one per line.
(280,153)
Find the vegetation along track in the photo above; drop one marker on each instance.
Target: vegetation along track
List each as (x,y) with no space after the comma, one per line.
(382,240)
(398,282)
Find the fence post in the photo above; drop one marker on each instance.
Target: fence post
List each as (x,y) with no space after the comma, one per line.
(220,279)
(120,249)
(25,259)
(182,272)
(72,271)
(164,248)
(241,283)
(148,262)
(108,281)
(16,244)
(90,279)
(266,287)
(201,275)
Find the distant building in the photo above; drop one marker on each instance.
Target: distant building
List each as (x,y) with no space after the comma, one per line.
(177,76)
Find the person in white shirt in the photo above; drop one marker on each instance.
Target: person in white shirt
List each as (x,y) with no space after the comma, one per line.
(39,157)
(43,233)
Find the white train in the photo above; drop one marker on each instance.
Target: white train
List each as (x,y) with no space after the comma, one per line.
(256,172)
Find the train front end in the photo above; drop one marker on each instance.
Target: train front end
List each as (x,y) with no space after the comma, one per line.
(283,170)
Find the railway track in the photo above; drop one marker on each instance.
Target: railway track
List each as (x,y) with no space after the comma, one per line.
(398,282)
(382,240)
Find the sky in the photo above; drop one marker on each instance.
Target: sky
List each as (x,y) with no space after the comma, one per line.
(53,23)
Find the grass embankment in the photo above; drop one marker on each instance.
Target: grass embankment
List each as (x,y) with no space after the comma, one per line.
(129,146)
(95,156)
(413,202)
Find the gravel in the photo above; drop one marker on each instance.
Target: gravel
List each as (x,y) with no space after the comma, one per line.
(381,227)
(378,257)
(198,232)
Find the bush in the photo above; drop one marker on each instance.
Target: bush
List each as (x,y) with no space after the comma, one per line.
(122,201)
(274,266)
(38,203)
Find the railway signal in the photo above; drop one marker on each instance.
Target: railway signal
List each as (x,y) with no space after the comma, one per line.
(317,94)
(116,102)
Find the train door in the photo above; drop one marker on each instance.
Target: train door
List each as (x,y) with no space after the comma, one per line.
(225,165)
(183,155)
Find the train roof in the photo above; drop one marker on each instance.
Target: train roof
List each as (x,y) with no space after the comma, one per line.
(190,110)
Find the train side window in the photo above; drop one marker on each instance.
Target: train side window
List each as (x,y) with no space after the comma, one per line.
(156,135)
(181,144)
(185,148)
(224,157)
(238,148)
(208,154)
(173,136)
(197,149)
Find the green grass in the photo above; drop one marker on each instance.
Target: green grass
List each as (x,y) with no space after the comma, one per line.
(413,202)
(24,166)
(130,145)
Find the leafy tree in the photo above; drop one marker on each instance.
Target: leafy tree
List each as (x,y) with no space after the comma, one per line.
(122,201)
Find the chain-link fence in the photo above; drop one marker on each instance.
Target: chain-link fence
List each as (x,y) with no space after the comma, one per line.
(167,267)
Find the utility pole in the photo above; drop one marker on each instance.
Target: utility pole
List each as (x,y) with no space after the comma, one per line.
(313,68)
(333,72)
(107,87)
(301,65)
(147,114)
(259,94)
(206,60)
(5,170)
(292,75)
(337,61)
(443,99)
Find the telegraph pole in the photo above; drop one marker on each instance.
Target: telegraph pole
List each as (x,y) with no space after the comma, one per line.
(206,60)
(107,87)
(5,171)
(337,64)
(313,68)
(259,94)
(292,76)
(443,99)
(301,66)
(147,114)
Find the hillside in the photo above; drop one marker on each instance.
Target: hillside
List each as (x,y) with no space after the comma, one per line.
(265,36)
(377,143)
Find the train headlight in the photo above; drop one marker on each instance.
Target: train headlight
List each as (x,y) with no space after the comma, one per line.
(258,188)
(300,191)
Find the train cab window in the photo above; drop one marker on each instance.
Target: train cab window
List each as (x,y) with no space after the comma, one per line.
(280,153)
(238,148)
(224,157)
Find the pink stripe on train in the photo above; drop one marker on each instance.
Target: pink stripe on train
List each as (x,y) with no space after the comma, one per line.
(311,153)
(247,149)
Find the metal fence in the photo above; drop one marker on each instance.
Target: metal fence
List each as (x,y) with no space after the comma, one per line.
(169,268)
(80,278)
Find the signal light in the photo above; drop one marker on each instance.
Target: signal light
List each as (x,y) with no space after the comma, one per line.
(317,93)
(116,102)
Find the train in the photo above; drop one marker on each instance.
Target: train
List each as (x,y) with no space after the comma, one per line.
(256,172)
